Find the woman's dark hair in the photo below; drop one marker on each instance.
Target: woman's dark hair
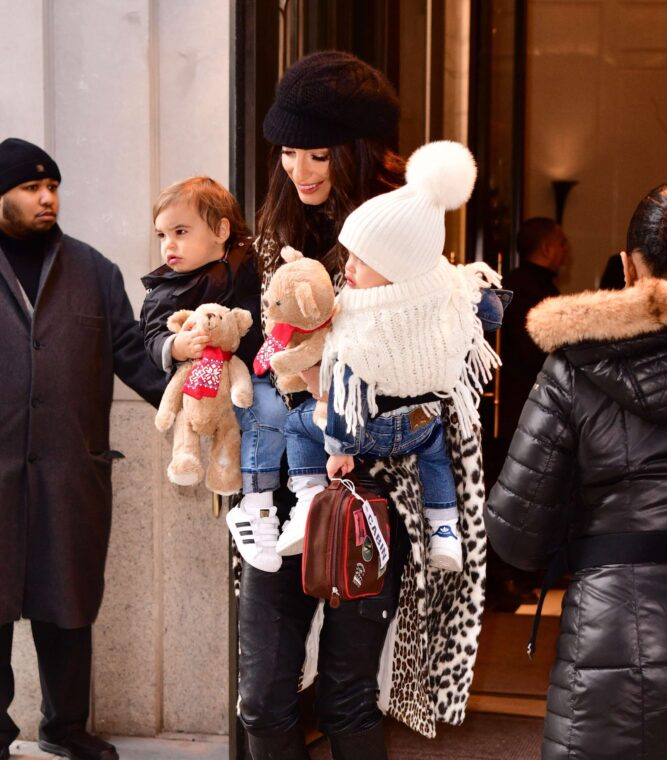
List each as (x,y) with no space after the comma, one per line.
(647,231)
(358,170)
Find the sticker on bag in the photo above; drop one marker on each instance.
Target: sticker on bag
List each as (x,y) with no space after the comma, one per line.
(360,533)
(373,527)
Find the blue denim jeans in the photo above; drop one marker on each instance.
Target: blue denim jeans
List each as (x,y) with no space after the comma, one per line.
(380,437)
(262,438)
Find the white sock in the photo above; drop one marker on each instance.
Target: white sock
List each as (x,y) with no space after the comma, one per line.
(439,516)
(253,502)
(300,485)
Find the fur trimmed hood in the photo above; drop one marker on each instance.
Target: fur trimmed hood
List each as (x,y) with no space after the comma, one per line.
(617,339)
(603,315)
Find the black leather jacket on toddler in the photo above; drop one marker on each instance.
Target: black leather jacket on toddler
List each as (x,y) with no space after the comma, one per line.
(232,282)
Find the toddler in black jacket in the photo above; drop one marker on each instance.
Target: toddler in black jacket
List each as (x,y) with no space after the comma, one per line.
(208,258)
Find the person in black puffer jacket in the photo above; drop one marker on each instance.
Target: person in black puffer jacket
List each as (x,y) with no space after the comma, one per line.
(587,470)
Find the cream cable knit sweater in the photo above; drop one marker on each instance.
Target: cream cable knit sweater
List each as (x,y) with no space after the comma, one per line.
(417,336)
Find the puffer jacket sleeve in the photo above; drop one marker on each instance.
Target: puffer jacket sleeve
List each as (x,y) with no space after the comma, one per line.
(526,512)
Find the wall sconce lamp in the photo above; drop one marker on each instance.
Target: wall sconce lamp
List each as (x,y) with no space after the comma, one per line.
(561,188)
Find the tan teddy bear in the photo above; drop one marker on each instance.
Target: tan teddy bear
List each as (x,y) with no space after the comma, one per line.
(298,309)
(199,397)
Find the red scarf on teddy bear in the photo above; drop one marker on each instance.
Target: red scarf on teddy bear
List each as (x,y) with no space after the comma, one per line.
(204,377)
(280,336)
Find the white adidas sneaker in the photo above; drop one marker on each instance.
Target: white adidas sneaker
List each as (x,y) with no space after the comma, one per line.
(255,533)
(445,551)
(294,529)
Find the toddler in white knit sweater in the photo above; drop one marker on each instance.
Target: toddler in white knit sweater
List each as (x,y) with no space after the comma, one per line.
(408,332)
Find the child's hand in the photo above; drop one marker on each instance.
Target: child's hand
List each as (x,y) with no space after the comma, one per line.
(342,462)
(188,344)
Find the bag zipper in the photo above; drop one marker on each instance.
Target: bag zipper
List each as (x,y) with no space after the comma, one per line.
(334,599)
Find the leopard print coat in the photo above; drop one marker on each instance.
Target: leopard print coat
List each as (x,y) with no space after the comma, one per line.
(431,648)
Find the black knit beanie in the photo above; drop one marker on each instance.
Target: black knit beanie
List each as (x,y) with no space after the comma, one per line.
(21,161)
(330,98)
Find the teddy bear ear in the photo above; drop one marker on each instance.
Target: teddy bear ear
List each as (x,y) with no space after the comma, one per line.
(290,254)
(178,319)
(306,300)
(243,320)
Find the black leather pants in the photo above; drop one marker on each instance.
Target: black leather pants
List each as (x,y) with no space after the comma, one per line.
(274,619)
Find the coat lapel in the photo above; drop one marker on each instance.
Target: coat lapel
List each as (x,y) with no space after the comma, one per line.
(15,288)
(47,266)
(7,272)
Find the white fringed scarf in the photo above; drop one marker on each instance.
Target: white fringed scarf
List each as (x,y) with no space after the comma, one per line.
(409,338)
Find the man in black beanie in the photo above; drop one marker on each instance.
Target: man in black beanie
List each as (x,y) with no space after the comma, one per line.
(68,327)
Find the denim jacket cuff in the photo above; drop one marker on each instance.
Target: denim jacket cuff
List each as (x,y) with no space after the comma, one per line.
(334,447)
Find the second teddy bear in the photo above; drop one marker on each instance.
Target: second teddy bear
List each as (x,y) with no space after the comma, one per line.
(298,308)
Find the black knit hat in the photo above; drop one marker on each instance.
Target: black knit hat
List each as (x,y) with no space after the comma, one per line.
(21,161)
(330,98)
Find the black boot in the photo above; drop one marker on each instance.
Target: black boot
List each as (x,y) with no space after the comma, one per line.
(289,745)
(78,744)
(363,745)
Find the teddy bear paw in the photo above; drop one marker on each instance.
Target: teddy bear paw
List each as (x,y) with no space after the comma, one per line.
(291,383)
(242,399)
(186,470)
(164,420)
(223,483)
(278,362)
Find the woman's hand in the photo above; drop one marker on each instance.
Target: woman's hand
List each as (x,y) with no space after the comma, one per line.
(311,377)
(188,344)
(342,462)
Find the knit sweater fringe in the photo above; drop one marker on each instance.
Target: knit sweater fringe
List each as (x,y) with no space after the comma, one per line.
(409,338)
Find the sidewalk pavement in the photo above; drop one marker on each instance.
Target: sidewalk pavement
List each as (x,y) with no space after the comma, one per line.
(482,736)
(173,747)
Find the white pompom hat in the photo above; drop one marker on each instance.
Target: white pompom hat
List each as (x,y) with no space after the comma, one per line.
(401,234)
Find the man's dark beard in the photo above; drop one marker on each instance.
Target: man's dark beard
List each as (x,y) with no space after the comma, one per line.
(13,225)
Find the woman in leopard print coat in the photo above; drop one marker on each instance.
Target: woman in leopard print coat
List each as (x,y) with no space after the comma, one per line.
(410,650)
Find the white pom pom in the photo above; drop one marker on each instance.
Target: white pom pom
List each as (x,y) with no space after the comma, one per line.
(444,172)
